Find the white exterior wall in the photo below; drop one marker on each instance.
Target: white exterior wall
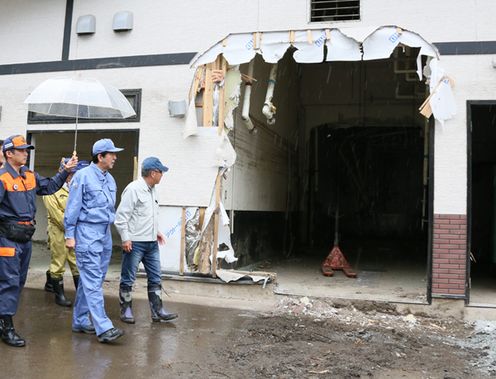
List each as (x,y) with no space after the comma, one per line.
(475,79)
(32,31)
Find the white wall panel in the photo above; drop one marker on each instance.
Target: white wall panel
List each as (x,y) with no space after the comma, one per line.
(31,30)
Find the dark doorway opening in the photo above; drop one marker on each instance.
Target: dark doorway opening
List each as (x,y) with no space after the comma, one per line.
(482,202)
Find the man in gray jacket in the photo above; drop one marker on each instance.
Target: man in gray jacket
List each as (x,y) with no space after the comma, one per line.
(136,221)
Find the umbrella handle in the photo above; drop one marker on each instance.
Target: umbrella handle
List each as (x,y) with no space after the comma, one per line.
(74,153)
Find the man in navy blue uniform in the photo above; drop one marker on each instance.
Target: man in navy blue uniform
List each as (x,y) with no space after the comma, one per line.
(18,189)
(89,213)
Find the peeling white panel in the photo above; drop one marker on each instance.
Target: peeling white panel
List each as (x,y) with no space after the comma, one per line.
(170,223)
(310,50)
(239,48)
(378,43)
(381,43)
(274,46)
(442,101)
(342,48)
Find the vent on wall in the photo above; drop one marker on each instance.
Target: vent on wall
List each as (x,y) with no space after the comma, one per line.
(334,10)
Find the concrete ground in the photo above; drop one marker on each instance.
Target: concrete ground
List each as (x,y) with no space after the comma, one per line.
(246,331)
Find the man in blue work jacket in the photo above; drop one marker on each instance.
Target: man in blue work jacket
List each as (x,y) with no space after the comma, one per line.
(89,213)
(18,189)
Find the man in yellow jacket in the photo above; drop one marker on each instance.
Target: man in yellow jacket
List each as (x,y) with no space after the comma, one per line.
(55,205)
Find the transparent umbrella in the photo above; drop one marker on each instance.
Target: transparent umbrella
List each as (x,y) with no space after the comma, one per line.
(79,98)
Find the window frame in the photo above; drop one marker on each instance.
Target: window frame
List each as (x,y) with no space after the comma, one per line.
(34,118)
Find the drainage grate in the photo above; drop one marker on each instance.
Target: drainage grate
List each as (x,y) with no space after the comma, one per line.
(334,10)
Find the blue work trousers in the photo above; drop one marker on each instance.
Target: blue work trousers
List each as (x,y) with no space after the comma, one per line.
(93,252)
(14,264)
(146,252)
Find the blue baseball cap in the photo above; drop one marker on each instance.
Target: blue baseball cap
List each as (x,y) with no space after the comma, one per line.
(104,145)
(16,142)
(80,165)
(153,163)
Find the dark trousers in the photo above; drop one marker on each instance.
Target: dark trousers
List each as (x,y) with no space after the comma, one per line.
(14,264)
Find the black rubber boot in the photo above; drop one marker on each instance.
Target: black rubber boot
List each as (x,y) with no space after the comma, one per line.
(58,289)
(9,335)
(48,284)
(158,312)
(126,303)
(76,281)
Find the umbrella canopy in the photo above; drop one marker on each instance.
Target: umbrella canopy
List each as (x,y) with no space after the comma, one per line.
(79,98)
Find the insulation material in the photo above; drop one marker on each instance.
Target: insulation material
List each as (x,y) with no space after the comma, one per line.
(225,153)
(170,221)
(192,238)
(192,168)
(232,84)
(442,101)
(232,276)
(191,124)
(225,250)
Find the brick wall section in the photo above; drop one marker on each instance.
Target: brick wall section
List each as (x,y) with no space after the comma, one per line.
(449,255)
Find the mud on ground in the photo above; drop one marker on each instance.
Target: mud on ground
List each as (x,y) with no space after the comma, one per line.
(315,339)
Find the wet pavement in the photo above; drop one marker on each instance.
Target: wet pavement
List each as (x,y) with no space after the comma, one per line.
(150,350)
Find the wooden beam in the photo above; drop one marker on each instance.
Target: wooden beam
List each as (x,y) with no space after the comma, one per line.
(183,241)
(222,94)
(208,93)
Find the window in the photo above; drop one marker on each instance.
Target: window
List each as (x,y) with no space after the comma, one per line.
(133,96)
(334,10)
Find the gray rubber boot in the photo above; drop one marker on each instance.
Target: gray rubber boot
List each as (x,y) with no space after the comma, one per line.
(126,303)
(158,312)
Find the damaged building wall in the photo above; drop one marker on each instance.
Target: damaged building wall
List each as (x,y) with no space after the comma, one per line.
(257,185)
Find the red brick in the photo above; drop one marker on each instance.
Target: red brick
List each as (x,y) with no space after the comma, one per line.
(443,285)
(446,276)
(449,246)
(441,240)
(442,221)
(441,280)
(460,272)
(441,251)
(460,291)
(442,261)
(448,227)
(450,236)
(458,222)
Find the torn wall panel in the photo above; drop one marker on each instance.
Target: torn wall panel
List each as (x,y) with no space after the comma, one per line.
(195,168)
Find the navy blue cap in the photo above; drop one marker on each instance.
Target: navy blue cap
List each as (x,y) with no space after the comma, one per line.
(153,163)
(16,142)
(104,145)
